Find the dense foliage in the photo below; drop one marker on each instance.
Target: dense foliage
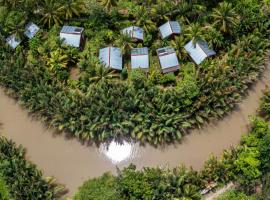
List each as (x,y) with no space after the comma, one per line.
(153,107)
(235,195)
(247,166)
(4,192)
(22,178)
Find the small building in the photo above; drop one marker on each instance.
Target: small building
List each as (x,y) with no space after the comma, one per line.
(72,35)
(111,57)
(31,30)
(13,41)
(170,28)
(135,32)
(199,51)
(168,59)
(140,58)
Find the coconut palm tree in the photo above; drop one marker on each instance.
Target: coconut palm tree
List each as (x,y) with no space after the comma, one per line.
(194,32)
(70,8)
(50,13)
(124,42)
(103,74)
(15,23)
(141,16)
(225,18)
(108,4)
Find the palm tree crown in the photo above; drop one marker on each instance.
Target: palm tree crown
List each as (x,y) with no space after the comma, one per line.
(225,17)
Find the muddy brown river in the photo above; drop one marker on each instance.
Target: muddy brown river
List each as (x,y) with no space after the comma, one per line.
(71,163)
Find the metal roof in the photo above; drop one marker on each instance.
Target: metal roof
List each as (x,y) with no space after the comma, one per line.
(199,51)
(13,41)
(140,58)
(134,32)
(169,28)
(72,30)
(31,30)
(167,57)
(111,57)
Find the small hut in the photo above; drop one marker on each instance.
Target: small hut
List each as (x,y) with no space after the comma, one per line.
(168,59)
(111,57)
(199,51)
(31,30)
(140,58)
(136,33)
(170,28)
(72,35)
(13,41)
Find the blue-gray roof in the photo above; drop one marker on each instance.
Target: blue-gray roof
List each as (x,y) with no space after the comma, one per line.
(167,57)
(72,30)
(140,58)
(199,51)
(134,32)
(170,28)
(31,30)
(111,57)
(13,41)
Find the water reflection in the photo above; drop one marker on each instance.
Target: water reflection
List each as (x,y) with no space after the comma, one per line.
(119,152)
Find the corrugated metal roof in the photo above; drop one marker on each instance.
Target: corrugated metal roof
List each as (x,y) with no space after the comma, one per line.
(111,57)
(140,58)
(72,29)
(134,32)
(13,41)
(169,28)
(167,57)
(31,30)
(206,49)
(199,52)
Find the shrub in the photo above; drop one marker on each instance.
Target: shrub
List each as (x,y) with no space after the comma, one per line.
(167,79)
(102,188)
(235,195)
(138,78)
(133,185)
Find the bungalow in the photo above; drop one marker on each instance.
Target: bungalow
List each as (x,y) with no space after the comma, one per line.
(111,57)
(13,41)
(136,33)
(72,35)
(31,30)
(199,51)
(170,28)
(168,59)
(140,58)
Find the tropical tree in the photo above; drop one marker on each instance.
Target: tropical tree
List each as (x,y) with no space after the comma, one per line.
(70,8)
(103,74)
(50,13)
(195,32)
(141,15)
(109,4)
(57,60)
(124,42)
(15,23)
(225,18)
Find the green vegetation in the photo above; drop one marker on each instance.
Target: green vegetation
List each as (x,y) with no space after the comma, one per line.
(153,107)
(247,165)
(22,178)
(4,192)
(235,195)
(102,188)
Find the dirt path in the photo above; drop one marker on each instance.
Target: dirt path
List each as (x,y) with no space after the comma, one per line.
(72,163)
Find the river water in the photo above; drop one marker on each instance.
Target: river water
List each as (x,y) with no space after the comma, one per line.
(71,162)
